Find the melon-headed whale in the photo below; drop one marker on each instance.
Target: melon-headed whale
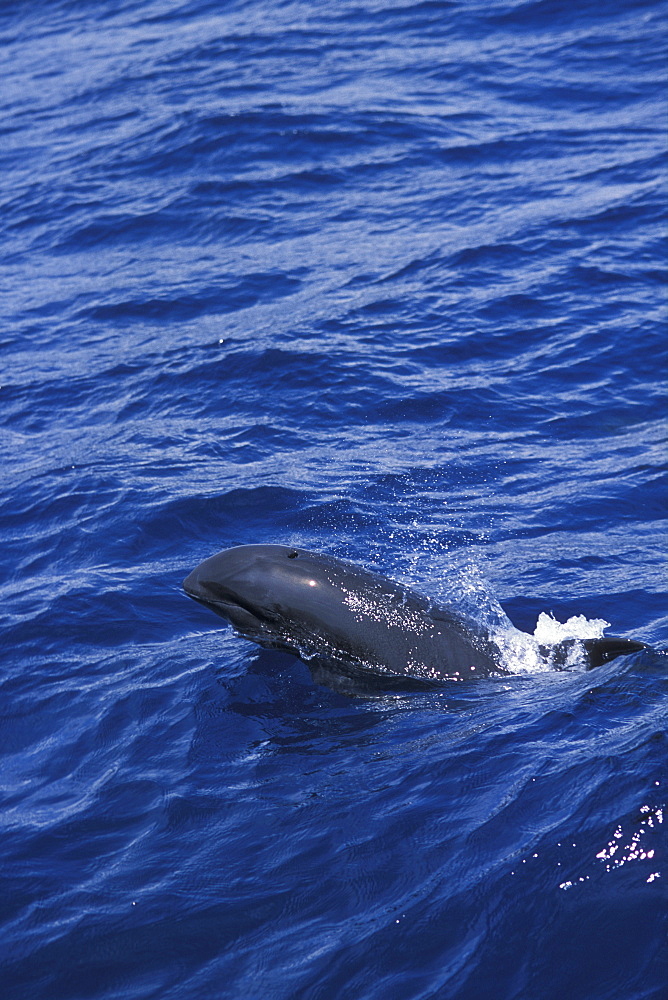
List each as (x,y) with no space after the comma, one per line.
(329,611)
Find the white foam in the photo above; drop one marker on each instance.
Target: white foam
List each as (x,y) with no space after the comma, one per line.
(549,630)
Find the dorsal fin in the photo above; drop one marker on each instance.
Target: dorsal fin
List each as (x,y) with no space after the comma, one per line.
(601,651)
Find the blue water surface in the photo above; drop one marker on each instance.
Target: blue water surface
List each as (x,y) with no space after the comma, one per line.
(386,280)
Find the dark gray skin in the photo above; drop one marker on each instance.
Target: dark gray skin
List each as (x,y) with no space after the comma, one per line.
(328,611)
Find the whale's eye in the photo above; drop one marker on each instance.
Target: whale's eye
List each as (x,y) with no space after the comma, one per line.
(293,554)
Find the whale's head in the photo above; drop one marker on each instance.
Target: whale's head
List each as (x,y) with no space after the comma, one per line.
(275,595)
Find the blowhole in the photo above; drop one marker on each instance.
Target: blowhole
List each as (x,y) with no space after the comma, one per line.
(293,554)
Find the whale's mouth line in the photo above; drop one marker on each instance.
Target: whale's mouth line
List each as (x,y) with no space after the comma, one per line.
(215,603)
(242,616)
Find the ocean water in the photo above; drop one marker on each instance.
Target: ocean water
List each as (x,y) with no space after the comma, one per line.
(385,280)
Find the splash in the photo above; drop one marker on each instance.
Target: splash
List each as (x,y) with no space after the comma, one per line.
(548,630)
(462,583)
(548,649)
